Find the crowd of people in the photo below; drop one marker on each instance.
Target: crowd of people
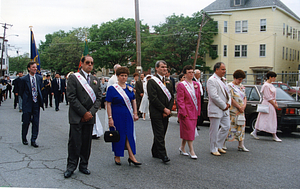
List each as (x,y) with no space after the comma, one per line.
(125,103)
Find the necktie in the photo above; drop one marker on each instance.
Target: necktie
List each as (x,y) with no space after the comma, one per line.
(88,78)
(58,84)
(34,93)
(163,80)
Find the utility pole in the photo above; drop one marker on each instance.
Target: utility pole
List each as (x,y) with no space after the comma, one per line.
(203,22)
(2,50)
(138,37)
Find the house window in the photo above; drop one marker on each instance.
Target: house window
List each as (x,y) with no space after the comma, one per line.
(294,33)
(293,55)
(298,56)
(3,61)
(283,53)
(263,25)
(286,53)
(244,50)
(241,26)
(283,31)
(287,30)
(262,50)
(245,26)
(298,35)
(290,54)
(237,51)
(225,26)
(240,51)
(291,32)
(237,2)
(215,49)
(225,51)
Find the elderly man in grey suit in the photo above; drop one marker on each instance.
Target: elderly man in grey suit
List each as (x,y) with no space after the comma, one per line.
(219,101)
(83,91)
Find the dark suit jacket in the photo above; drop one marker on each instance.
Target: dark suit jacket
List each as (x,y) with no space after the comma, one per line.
(173,83)
(55,87)
(16,84)
(139,89)
(26,92)
(46,86)
(157,98)
(80,101)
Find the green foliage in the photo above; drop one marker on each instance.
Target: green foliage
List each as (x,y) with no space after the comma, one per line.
(61,52)
(114,42)
(175,41)
(19,63)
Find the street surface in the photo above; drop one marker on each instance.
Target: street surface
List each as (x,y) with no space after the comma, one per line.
(268,164)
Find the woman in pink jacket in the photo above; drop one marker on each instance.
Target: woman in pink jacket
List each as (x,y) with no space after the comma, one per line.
(189,108)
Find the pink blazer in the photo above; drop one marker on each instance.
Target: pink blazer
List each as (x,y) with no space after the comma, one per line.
(185,103)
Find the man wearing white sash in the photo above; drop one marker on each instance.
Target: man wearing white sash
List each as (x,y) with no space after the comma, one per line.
(83,93)
(161,100)
(219,101)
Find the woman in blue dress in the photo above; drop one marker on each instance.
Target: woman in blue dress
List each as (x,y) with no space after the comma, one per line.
(122,111)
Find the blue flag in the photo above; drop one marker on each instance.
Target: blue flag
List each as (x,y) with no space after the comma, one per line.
(34,55)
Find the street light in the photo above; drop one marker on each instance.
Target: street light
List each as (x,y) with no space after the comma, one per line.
(2,50)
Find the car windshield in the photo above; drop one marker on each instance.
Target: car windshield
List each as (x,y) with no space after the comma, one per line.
(282,95)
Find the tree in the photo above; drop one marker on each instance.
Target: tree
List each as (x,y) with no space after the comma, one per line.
(175,41)
(114,42)
(61,52)
(19,63)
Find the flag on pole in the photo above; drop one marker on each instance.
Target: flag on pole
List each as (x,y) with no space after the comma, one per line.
(85,52)
(34,54)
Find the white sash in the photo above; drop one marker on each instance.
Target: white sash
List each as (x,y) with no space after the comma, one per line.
(86,86)
(124,96)
(238,90)
(192,93)
(223,85)
(163,87)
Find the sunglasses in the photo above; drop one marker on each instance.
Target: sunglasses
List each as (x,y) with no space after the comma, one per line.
(88,62)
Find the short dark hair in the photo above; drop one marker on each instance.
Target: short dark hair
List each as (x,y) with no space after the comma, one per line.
(169,70)
(239,74)
(180,76)
(158,63)
(57,73)
(47,75)
(135,74)
(187,67)
(30,63)
(122,70)
(83,58)
(218,65)
(271,74)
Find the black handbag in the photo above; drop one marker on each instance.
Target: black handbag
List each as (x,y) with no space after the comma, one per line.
(112,136)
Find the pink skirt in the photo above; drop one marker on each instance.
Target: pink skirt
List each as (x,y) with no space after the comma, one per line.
(187,129)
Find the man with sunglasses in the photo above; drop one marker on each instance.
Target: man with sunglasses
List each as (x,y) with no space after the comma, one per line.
(83,92)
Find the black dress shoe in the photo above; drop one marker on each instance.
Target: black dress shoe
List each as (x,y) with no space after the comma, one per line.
(95,137)
(165,159)
(56,109)
(68,174)
(25,142)
(85,171)
(34,144)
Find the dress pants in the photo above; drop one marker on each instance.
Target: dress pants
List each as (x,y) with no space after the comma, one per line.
(218,131)
(57,97)
(79,146)
(159,128)
(16,100)
(20,102)
(34,117)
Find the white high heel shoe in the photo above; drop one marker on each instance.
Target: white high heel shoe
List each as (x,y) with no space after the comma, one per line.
(183,153)
(243,148)
(192,156)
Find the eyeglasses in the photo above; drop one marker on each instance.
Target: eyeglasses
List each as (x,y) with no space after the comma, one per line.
(88,62)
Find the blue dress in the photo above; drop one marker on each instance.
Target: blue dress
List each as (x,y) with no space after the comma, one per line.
(122,119)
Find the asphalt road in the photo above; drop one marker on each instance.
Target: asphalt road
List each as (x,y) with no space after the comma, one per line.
(268,164)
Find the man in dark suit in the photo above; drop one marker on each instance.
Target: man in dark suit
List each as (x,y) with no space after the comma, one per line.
(30,91)
(85,100)
(197,78)
(139,93)
(57,89)
(47,90)
(161,98)
(171,78)
(16,85)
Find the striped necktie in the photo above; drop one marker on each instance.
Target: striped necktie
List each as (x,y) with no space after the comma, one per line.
(34,92)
